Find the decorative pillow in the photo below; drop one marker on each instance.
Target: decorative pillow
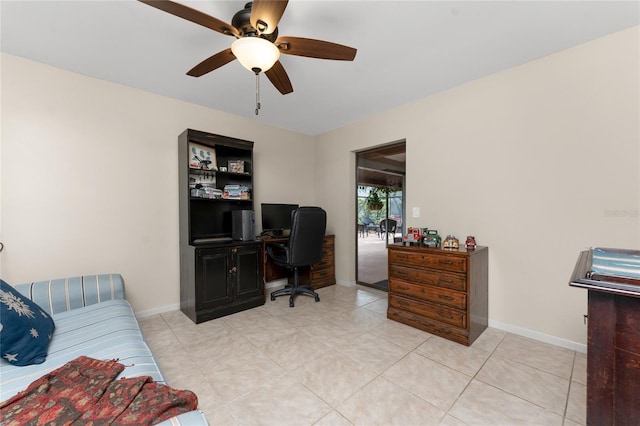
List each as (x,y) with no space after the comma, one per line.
(25,329)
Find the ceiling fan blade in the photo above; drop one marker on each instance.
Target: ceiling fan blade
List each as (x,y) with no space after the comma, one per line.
(279,78)
(193,15)
(265,14)
(212,63)
(315,48)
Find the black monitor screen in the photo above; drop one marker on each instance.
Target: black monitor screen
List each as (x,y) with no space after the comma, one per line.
(277,217)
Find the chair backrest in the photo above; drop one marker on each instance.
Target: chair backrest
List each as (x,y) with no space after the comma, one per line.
(308,227)
(367,220)
(388,225)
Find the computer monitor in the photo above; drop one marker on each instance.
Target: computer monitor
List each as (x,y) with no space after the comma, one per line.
(276,218)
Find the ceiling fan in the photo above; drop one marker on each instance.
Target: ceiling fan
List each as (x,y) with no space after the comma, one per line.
(257,45)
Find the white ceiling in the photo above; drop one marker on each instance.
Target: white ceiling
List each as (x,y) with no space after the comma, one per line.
(406,49)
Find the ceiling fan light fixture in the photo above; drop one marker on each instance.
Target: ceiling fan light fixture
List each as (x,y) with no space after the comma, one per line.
(255,52)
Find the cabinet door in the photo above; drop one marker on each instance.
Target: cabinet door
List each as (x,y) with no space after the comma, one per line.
(213,286)
(248,263)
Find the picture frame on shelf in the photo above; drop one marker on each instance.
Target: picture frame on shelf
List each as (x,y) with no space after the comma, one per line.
(202,157)
(236,166)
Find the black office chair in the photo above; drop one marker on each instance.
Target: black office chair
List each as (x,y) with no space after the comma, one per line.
(308,226)
(387,225)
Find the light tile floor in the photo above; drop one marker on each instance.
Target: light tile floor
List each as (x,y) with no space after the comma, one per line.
(342,362)
(372,258)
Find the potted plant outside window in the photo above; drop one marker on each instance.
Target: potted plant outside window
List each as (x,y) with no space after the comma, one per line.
(373,200)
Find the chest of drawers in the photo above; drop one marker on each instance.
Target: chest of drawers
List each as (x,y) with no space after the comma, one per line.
(443,292)
(321,274)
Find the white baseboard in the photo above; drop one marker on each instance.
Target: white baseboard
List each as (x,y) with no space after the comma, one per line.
(156,311)
(542,337)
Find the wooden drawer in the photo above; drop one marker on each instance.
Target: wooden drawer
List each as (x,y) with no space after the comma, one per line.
(323,283)
(434,278)
(329,242)
(428,310)
(321,274)
(434,327)
(326,263)
(429,260)
(436,295)
(328,247)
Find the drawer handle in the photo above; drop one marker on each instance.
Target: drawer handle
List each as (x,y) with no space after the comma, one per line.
(445,316)
(442,296)
(402,256)
(445,262)
(402,273)
(442,280)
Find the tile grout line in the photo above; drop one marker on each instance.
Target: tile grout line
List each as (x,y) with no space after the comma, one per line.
(472,378)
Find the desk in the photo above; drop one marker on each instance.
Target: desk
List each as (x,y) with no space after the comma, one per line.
(319,275)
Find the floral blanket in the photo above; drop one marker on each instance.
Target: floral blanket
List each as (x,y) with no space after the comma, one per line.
(85,392)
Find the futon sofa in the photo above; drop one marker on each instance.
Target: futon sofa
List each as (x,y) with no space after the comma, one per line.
(92,319)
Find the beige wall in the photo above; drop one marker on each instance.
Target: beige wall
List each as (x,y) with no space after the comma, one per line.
(90,184)
(538,162)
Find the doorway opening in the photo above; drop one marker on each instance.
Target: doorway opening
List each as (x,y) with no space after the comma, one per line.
(380,212)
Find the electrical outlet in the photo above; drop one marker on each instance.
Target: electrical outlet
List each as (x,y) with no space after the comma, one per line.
(416,212)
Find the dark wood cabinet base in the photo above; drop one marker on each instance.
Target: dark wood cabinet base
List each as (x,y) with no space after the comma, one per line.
(613,361)
(613,346)
(221,311)
(221,280)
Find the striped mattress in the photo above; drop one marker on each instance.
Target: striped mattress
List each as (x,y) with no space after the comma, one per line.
(92,318)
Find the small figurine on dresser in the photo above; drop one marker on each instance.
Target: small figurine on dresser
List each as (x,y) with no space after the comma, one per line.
(451,242)
(431,238)
(470,244)
(414,235)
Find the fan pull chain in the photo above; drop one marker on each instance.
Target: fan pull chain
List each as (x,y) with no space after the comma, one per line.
(257,91)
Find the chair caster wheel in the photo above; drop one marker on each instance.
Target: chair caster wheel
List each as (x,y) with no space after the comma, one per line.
(317,298)
(291,303)
(273,298)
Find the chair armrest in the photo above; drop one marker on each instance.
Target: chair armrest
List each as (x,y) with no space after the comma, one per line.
(281,246)
(278,252)
(65,294)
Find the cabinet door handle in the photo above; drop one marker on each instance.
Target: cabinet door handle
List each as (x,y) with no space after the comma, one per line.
(233,270)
